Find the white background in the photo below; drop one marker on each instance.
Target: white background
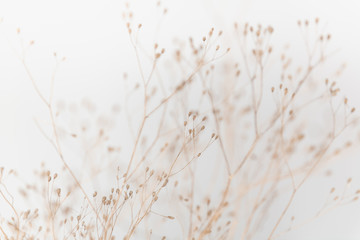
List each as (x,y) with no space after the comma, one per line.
(92,37)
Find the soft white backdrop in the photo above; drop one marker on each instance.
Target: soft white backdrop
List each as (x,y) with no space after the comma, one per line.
(92,37)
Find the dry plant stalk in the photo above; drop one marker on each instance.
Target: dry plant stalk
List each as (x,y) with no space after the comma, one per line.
(211,150)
